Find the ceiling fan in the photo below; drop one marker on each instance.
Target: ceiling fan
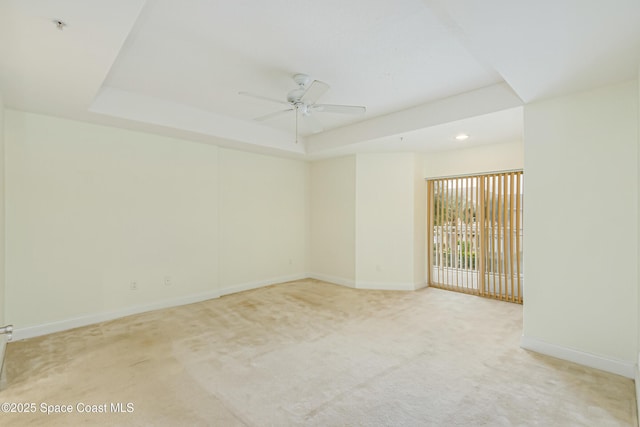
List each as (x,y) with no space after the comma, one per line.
(302,101)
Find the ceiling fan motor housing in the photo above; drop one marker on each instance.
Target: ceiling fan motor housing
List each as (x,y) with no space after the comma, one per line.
(302,80)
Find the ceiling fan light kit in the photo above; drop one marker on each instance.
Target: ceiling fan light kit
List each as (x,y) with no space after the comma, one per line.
(302,101)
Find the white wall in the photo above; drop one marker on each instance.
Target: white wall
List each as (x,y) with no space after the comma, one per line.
(581,227)
(333,220)
(637,376)
(472,160)
(263,219)
(2,223)
(385,223)
(419,222)
(92,208)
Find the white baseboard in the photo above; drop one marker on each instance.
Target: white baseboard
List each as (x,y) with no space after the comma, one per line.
(261,283)
(420,285)
(619,367)
(91,319)
(349,283)
(368,285)
(384,286)
(76,322)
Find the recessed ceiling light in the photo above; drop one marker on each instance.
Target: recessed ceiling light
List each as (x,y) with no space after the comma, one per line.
(462,137)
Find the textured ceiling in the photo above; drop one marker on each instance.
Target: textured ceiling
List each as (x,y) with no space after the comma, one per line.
(421,67)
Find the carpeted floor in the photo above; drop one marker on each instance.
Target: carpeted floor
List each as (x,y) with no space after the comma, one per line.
(311,353)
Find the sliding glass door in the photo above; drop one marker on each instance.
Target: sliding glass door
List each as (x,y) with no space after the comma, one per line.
(475,233)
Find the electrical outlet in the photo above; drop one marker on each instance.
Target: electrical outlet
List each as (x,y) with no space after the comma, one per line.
(167,281)
(133,285)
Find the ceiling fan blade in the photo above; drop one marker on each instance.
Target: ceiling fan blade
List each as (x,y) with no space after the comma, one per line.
(272,115)
(264,98)
(314,91)
(314,125)
(343,109)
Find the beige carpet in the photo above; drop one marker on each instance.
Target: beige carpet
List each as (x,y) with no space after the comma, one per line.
(311,353)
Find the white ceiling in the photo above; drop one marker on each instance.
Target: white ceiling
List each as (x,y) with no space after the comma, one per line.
(425,69)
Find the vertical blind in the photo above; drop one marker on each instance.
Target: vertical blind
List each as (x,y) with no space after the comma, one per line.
(475,229)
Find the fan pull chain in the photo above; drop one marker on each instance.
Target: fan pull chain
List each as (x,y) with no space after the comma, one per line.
(296,124)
